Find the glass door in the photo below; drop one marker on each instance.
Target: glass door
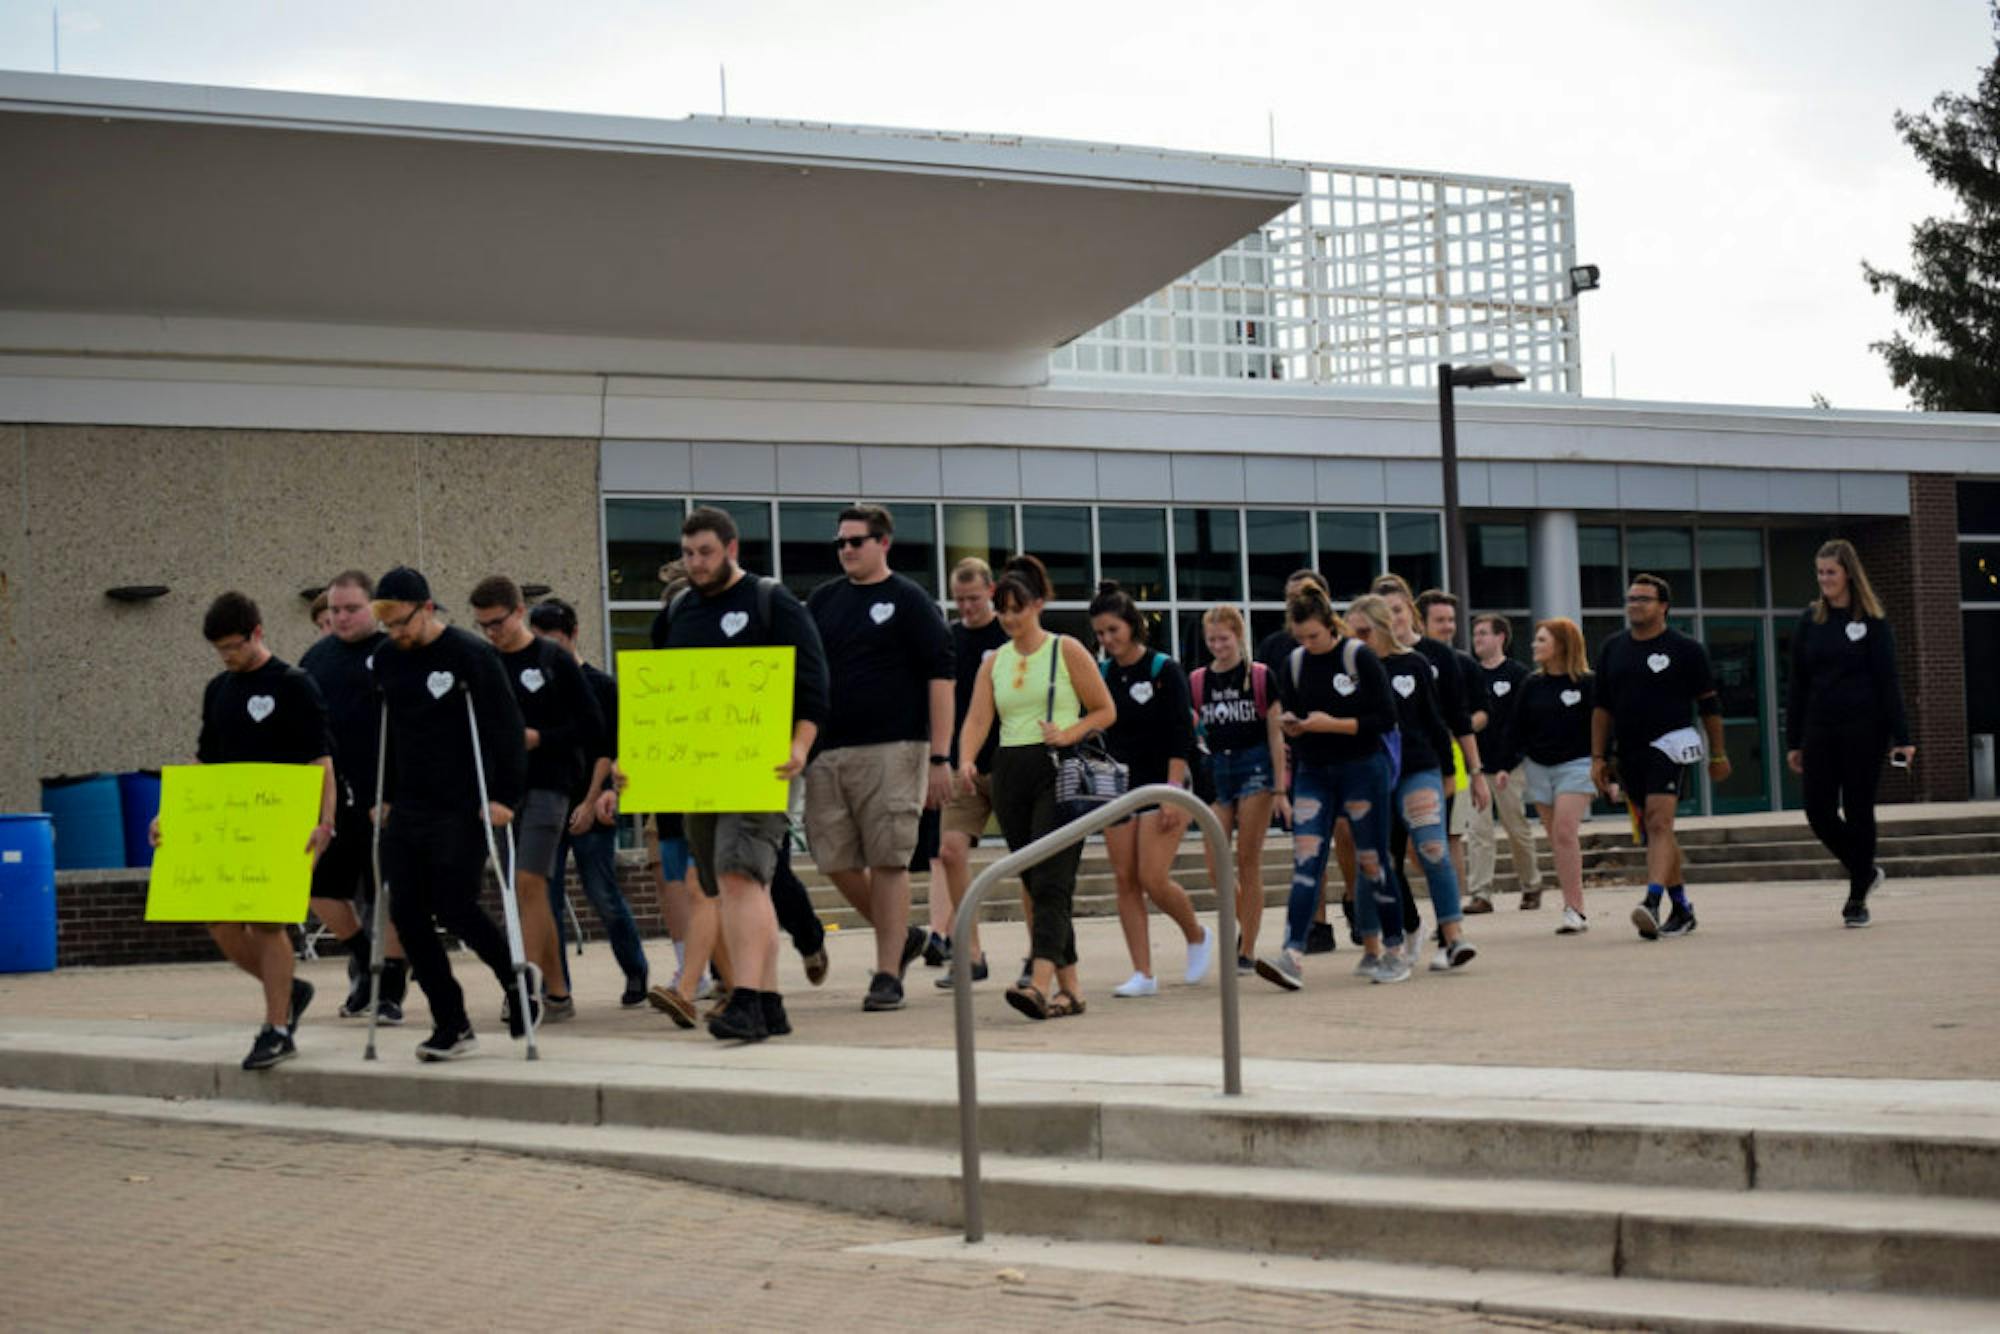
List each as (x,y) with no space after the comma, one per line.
(1736,652)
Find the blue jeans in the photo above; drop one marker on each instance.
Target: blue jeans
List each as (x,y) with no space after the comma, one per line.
(1433,845)
(1358,791)
(597,866)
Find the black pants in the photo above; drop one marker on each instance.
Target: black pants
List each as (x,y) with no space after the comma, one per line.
(434,866)
(1843,773)
(1024,799)
(792,903)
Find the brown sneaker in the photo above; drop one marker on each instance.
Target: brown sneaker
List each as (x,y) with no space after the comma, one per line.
(1531,899)
(672,1004)
(1478,904)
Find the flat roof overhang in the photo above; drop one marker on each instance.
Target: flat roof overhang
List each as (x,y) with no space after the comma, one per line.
(169,200)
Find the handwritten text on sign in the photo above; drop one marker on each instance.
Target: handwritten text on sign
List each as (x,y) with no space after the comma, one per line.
(704,729)
(233,843)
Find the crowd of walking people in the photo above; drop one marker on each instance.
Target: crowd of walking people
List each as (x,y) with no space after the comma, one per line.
(1385,750)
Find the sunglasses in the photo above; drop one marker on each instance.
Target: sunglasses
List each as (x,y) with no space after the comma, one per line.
(852,543)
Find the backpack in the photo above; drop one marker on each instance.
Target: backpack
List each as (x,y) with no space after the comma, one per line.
(1260,677)
(1392,740)
(1159,661)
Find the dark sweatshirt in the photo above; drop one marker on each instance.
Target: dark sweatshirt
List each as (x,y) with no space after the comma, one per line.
(1549,723)
(1426,745)
(729,620)
(1844,676)
(430,744)
(353,712)
(1155,723)
(556,701)
(1321,686)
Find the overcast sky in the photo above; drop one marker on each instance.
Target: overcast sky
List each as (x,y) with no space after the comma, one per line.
(1733,160)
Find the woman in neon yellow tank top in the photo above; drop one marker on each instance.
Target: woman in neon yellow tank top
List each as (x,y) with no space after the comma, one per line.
(1045,691)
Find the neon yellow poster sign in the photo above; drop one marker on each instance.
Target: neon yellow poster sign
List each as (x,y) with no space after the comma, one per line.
(704,729)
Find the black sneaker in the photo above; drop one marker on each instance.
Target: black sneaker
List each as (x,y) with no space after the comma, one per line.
(389,1012)
(359,985)
(395,981)
(884,993)
(979,974)
(937,951)
(913,945)
(634,995)
(270,1048)
(302,996)
(1646,917)
(1680,922)
(509,1006)
(1855,913)
(775,1023)
(1319,940)
(447,1044)
(742,1020)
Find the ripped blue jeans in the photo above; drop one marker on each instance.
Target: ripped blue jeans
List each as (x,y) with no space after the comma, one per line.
(1420,815)
(1357,791)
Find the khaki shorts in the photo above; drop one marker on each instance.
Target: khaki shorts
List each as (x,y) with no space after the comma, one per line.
(1461,809)
(863,804)
(967,812)
(736,843)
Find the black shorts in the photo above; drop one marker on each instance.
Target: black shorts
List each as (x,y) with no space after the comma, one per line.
(1645,772)
(346,870)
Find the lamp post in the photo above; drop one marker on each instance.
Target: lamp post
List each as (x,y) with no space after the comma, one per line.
(1483,375)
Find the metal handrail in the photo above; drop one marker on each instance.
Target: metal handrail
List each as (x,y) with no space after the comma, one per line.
(1157,794)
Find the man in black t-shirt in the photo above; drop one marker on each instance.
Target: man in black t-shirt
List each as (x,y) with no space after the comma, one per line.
(1647,677)
(260,710)
(1500,676)
(338,664)
(974,637)
(1438,612)
(885,753)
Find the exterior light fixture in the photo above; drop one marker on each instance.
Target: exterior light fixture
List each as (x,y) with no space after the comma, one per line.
(136,592)
(1583,278)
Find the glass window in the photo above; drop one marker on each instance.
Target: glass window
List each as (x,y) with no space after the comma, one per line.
(753,532)
(639,537)
(1416,550)
(1350,552)
(1263,624)
(1208,555)
(1667,552)
(1075,624)
(1132,546)
(1059,535)
(1280,542)
(914,555)
(630,629)
(1732,567)
(1982,644)
(805,537)
(984,531)
(1498,554)
(1979,507)
(1597,629)
(1792,558)
(1603,573)
(1979,572)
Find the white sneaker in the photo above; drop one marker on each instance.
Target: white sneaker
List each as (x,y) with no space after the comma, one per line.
(1199,957)
(1573,923)
(1136,985)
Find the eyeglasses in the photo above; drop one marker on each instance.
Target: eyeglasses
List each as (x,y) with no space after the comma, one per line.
(853,543)
(489,625)
(1640,597)
(404,619)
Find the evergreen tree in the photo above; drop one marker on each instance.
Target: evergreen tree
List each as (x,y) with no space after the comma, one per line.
(1951,299)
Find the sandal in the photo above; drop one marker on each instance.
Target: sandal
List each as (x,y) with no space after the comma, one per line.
(1029,1001)
(1065,1004)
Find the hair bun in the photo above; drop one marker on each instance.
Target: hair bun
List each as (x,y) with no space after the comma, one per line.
(1105,587)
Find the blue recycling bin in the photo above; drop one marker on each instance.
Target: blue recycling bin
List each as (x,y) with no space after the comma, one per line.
(89,830)
(27,894)
(139,800)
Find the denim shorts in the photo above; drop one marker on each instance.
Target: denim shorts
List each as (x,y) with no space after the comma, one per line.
(1241,773)
(674,859)
(1546,782)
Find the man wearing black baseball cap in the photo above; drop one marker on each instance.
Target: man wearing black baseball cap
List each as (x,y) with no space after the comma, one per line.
(434,849)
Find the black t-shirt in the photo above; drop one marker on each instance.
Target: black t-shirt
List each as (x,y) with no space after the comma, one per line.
(1450,682)
(1228,712)
(1499,685)
(1273,649)
(1426,745)
(354,714)
(885,643)
(556,702)
(1472,682)
(1321,685)
(969,649)
(733,619)
(1649,686)
(273,715)
(1155,720)
(430,742)
(1548,723)
(603,689)
(1844,675)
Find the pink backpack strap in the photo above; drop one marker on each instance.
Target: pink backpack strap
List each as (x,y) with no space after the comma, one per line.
(1196,680)
(1260,676)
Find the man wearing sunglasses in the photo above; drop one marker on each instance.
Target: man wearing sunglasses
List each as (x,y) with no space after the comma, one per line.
(885,753)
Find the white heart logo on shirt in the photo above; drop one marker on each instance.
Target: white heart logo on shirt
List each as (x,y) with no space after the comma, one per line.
(881,612)
(1406,686)
(1856,629)
(1435,673)
(369,662)
(533,679)
(733,623)
(260,707)
(1142,691)
(1502,689)
(438,683)
(1659,662)
(1343,684)
(1571,698)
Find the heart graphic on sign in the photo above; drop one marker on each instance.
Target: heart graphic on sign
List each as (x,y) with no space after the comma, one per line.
(1406,686)
(1502,689)
(881,612)
(533,679)
(1659,662)
(438,683)
(1571,698)
(733,623)
(1856,629)
(1142,691)
(260,707)
(1343,684)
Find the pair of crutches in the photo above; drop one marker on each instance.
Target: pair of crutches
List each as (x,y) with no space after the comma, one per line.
(503,870)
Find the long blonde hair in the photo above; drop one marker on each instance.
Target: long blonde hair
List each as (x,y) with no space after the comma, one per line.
(1861,599)
(1374,609)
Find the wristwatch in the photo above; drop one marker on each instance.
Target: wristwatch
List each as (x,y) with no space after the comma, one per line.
(940,759)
